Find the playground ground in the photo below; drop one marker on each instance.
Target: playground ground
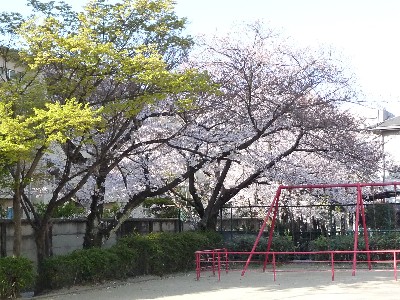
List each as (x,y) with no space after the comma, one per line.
(254,285)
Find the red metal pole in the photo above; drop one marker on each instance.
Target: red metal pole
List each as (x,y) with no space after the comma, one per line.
(332,266)
(226,261)
(278,192)
(197,253)
(321,186)
(219,266)
(273,265)
(395,265)
(271,232)
(365,230)
(213,261)
(356,229)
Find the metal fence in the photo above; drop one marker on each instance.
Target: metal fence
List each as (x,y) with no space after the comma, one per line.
(308,222)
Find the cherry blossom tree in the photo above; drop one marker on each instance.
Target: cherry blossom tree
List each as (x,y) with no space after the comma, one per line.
(279,107)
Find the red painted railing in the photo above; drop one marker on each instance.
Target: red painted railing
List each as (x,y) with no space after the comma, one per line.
(221,259)
(212,259)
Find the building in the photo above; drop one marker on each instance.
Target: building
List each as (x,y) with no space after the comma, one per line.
(389,130)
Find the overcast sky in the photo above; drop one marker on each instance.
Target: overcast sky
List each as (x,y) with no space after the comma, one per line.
(365,32)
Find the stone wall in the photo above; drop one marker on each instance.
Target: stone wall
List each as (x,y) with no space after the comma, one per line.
(67,235)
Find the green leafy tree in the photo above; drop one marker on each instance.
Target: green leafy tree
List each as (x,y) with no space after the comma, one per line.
(121,58)
(68,210)
(162,207)
(26,134)
(29,125)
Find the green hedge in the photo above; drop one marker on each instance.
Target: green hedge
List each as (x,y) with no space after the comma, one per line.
(245,243)
(156,253)
(162,253)
(16,275)
(87,266)
(381,241)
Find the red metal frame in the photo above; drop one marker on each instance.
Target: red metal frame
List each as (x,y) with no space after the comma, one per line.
(212,257)
(359,206)
(207,258)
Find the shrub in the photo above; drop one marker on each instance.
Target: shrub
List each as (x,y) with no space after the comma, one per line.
(156,253)
(16,274)
(68,210)
(162,207)
(385,241)
(244,243)
(88,265)
(163,253)
(346,242)
(282,243)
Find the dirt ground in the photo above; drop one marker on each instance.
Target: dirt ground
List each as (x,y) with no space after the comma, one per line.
(254,285)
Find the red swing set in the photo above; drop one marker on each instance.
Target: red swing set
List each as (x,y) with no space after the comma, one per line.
(221,256)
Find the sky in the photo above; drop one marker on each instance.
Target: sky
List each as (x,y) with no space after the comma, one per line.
(366,33)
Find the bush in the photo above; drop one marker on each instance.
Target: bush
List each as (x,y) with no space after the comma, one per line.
(16,274)
(156,253)
(163,253)
(68,210)
(382,241)
(378,241)
(245,243)
(88,266)
(282,243)
(162,207)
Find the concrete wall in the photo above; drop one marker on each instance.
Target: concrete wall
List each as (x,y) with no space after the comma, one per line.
(67,235)
(7,236)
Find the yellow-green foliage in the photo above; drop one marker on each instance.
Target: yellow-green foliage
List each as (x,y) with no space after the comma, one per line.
(88,54)
(101,47)
(20,134)
(60,122)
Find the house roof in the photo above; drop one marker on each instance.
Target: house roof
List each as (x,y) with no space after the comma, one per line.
(390,125)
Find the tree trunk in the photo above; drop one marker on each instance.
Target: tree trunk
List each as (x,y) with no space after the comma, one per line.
(43,251)
(209,221)
(94,234)
(17,212)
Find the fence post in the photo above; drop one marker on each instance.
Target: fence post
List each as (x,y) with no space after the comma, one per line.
(355,248)
(395,265)
(333,266)
(219,265)
(197,253)
(226,261)
(273,265)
